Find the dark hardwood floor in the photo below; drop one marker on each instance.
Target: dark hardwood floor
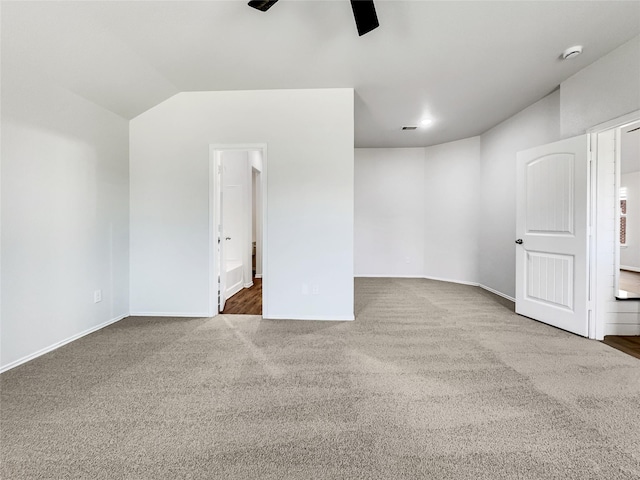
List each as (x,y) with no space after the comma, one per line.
(247,301)
(630,345)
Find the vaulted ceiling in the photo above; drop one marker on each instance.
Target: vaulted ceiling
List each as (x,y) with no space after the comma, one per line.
(466,65)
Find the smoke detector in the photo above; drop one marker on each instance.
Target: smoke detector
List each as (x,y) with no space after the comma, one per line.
(572,52)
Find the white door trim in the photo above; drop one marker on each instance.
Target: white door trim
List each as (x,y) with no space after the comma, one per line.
(599,291)
(616,122)
(214,150)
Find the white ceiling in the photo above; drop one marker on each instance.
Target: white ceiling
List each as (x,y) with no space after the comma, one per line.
(469,65)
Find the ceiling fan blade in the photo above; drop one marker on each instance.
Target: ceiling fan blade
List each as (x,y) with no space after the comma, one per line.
(262,5)
(364,13)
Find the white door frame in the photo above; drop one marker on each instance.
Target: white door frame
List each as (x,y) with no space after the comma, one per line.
(601,257)
(214,150)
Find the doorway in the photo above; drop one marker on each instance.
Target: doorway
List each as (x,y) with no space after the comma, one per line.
(628,244)
(237,191)
(616,312)
(550,284)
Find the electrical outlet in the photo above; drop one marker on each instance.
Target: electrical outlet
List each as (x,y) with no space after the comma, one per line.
(407,260)
(315,289)
(97,296)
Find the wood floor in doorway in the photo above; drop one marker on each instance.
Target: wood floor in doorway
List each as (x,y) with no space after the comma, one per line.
(247,301)
(629,345)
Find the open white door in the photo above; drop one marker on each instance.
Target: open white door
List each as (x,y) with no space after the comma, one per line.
(552,278)
(222,271)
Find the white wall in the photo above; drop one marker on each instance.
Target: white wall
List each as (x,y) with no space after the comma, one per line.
(452,190)
(416,211)
(630,256)
(606,89)
(389,212)
(536,125)
(309,180)
(65,218)
(255,158)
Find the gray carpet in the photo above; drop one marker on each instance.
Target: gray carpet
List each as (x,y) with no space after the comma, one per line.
(433,380)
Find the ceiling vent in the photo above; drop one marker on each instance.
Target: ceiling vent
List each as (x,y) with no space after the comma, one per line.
(409,128)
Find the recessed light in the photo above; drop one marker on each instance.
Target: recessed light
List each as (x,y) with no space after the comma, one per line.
(425,122)
(572,52)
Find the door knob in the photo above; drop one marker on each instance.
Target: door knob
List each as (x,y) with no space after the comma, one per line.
(227,238)
(519,241)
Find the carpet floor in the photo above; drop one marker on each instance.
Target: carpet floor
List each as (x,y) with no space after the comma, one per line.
(433,380)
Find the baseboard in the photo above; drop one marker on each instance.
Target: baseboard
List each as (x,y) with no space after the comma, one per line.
(449,280)
(258,275)
(439,279)
(248,285)
(170,314)
(500,294)
(231,291)
(631,269)
(338,318)
(621,329)
(388,276)
(61,343)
